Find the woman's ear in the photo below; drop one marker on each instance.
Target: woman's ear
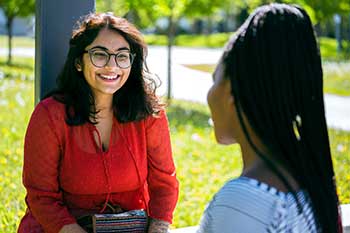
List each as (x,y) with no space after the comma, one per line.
(232,100)
(78,65)
(228,91)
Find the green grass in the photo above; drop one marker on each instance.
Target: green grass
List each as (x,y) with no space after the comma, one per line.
(153,39)
(328,47)
(18,41)
(16,103)
(22,67)
(209,68)
(337,78)
(217,40)
(209,41)
(203,166)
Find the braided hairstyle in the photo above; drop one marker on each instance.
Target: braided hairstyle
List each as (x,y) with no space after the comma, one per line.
(274,66)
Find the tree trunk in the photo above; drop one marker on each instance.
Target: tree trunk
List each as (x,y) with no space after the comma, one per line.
(318,29)
(338,23)
(171,36)
(209,26)
(348,49)
(9,26)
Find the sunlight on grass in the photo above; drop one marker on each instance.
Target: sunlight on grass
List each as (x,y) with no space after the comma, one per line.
(209,68)
(337,78)
(203,166)
(16,102)
(22,67)
(17,41)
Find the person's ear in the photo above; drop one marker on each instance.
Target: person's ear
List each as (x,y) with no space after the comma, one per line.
(232,100)
(78,65)
(228,90)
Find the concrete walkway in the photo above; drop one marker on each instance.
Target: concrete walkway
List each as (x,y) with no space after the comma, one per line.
(193,85)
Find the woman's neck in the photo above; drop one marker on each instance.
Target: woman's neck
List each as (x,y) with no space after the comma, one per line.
(255,167)
(104,102)
(104,105)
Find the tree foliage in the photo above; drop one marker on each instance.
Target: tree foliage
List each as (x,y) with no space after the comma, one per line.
(12,9)
(15,8)
(145,13)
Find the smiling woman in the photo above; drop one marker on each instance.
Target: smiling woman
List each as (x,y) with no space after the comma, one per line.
(99,143)
(105,76)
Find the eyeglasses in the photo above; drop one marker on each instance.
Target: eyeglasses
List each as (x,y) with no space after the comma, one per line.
(100,58)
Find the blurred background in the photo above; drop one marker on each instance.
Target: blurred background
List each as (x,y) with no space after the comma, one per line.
(185,39)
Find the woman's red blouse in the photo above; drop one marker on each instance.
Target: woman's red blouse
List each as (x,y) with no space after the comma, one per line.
(67,174)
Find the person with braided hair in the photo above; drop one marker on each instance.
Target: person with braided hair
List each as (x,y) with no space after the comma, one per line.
(267,96)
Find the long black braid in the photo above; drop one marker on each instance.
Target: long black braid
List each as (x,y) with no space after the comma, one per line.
(274,65)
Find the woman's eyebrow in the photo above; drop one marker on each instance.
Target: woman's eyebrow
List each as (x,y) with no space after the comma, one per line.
(123,48)
(106,49)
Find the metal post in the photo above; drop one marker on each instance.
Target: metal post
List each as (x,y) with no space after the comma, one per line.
(53,28)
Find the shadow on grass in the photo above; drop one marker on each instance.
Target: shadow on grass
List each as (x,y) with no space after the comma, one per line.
(193,114)
(17,65)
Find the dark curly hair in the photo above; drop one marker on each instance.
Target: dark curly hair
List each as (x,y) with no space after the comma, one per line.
(135,100)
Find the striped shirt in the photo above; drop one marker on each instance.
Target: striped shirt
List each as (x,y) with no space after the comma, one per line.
(246,205)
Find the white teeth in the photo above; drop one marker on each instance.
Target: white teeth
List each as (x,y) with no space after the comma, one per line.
(109,76)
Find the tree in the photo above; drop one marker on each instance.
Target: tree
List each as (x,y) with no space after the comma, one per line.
(146,12)
(320,11)
(13,9)
(174,10)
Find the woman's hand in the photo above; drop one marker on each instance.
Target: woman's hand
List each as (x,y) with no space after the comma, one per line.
(158,226)
(72,228)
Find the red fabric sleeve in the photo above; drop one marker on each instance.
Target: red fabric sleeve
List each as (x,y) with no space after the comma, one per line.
(162,183)
(40,172)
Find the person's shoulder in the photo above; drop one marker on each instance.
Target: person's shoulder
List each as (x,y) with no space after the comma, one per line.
(52,107)
(248,195)
(51,102)
(240,201)
(235,190)
(159,116)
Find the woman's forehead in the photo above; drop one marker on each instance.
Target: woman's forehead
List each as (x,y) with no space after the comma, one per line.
(110,40)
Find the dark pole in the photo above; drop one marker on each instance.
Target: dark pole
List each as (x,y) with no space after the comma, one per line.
(54,21)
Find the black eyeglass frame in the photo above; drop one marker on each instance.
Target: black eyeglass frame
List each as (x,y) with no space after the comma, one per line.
(132,57)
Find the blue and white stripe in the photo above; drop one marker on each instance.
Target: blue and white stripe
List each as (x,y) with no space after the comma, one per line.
(245,205)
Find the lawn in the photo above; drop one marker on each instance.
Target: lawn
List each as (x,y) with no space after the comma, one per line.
(18,41)
(22,67)
(202,165)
